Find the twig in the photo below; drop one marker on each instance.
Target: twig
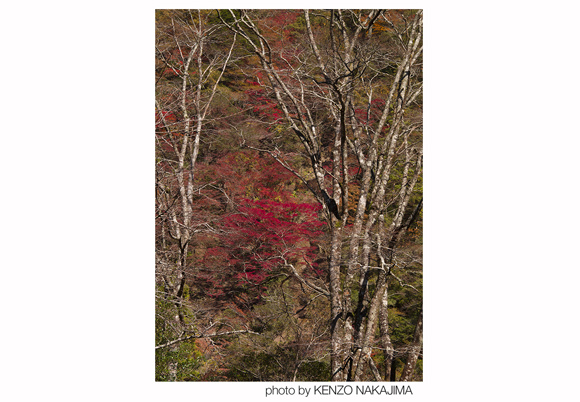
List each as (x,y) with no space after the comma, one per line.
(185,338)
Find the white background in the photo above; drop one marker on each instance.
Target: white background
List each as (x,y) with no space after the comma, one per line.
(501,205)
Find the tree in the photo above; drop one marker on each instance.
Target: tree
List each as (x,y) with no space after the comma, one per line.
(192,53)
(349,88)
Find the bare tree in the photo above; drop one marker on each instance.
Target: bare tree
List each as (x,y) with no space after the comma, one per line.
(352,95)
(192,54)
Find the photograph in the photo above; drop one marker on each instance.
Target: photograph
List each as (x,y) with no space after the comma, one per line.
(250,201)
(289,196)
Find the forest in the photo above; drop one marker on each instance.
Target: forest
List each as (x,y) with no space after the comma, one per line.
(288,195)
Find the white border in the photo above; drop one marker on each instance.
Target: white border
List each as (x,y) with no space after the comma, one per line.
(500,207)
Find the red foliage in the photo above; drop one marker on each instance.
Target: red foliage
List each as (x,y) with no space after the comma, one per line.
(161,115)
(268,228)
(246,175)
(262,106)
(256,243)
(281,19)
(171,72)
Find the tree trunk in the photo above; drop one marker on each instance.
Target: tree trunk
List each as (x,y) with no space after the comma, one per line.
(385,338)
(380,149)
(414,352)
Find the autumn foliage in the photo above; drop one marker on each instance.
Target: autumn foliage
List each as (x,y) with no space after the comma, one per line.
(284,172)
(256,243)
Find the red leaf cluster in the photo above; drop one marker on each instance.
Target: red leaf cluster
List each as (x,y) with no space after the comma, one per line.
(257,242)
(268,228)
(263,106)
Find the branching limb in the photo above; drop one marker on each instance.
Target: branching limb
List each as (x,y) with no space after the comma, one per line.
(185,338)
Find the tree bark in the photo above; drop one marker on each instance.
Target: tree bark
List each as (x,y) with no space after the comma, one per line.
(414,351)
(358,290)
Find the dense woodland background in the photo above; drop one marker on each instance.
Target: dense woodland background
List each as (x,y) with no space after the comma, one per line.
(288,188)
